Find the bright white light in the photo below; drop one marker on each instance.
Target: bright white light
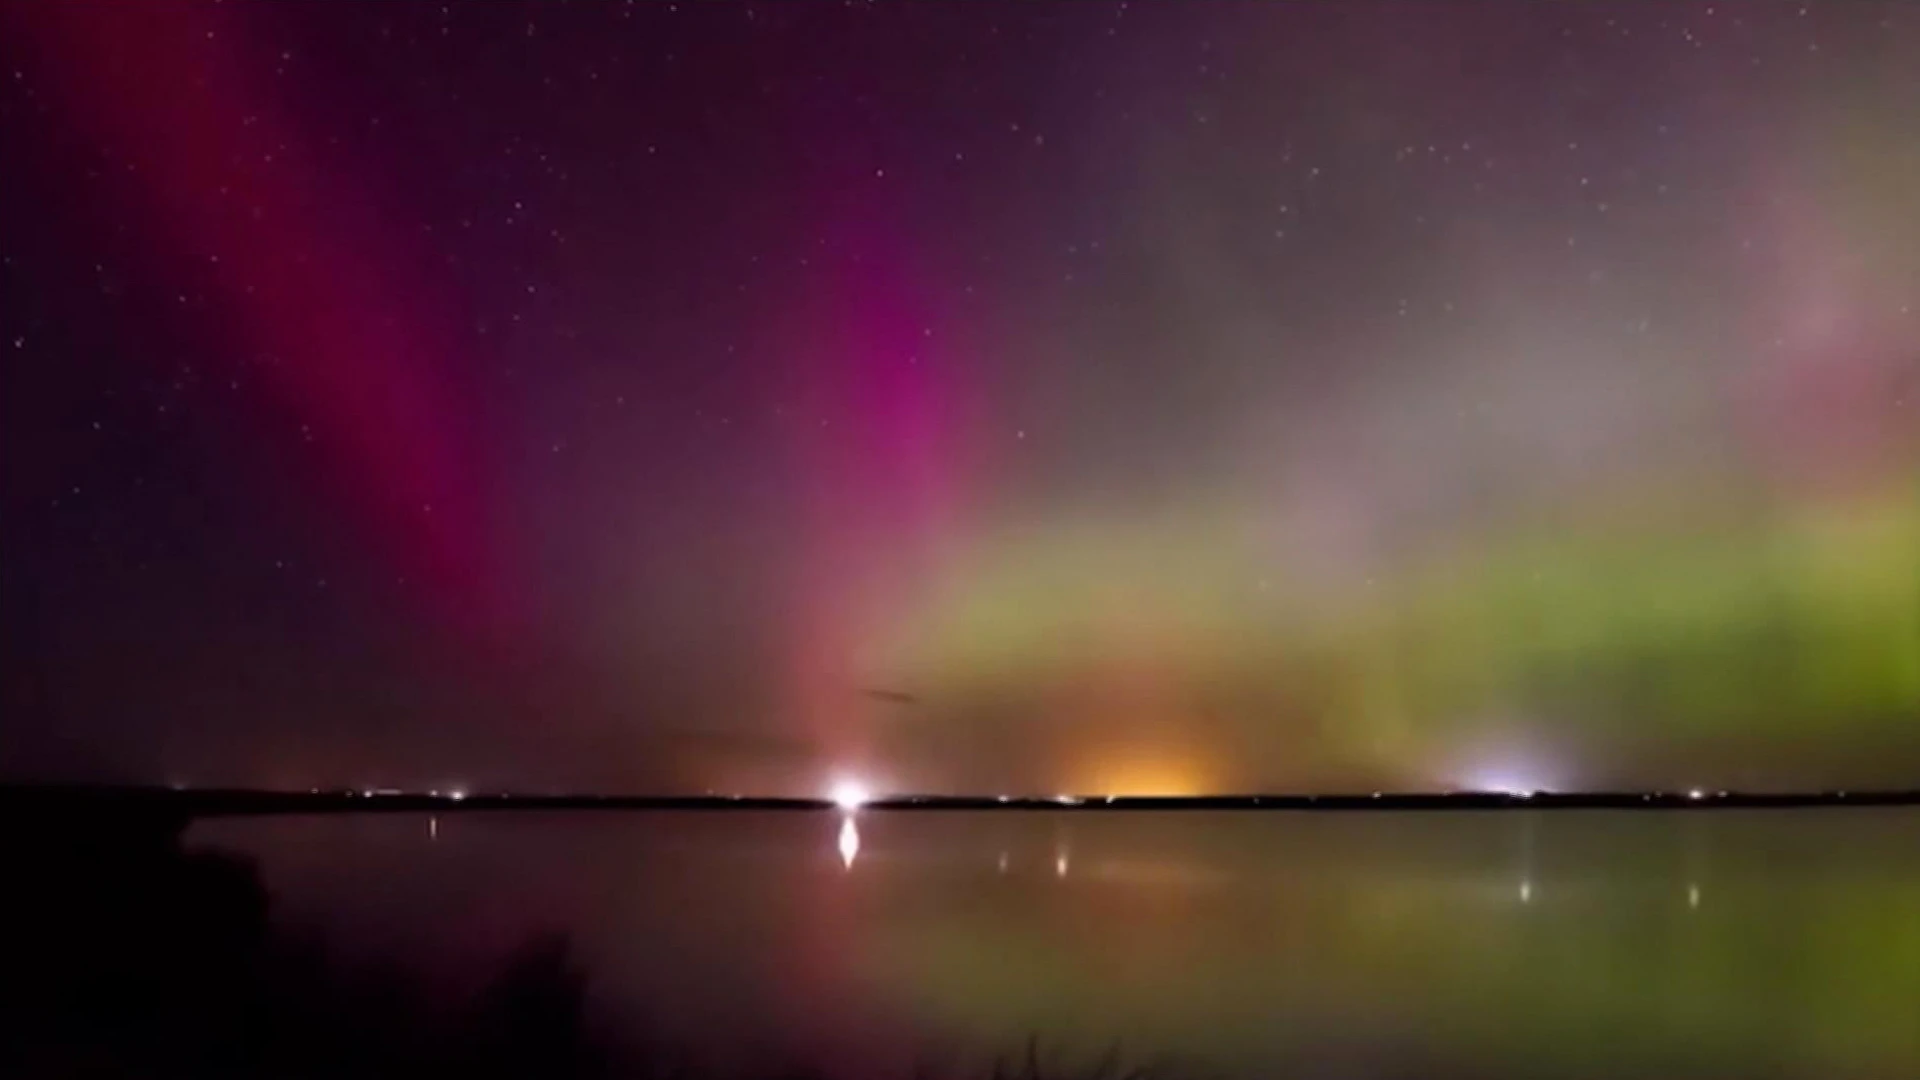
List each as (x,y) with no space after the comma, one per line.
(1526,892)
(1696,793)
(1511,769)
(1693,896)
(1060,864)
(849,794)
(457,794)
(1516,784)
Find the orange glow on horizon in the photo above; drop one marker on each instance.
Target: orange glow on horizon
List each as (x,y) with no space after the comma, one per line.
(1144,771)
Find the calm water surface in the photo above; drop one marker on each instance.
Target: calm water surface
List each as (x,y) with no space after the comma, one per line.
(1745,944)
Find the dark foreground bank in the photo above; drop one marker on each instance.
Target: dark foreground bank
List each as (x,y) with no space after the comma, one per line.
(128,955)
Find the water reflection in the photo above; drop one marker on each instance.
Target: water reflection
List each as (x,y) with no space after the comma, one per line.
(1258,944)
(849,842)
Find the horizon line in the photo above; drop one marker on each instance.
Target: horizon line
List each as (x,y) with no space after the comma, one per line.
(221,802)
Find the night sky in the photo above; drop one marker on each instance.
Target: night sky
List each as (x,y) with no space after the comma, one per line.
(962,396)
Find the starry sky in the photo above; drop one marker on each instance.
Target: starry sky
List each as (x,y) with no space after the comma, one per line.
(963,396)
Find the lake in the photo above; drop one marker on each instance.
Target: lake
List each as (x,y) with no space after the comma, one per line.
(1722,943)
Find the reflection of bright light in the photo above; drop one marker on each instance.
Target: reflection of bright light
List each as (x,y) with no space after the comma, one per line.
(1003,862)
(1693,896)
(849,841)
(849,794)
(1526,892)
(1060,863)
(433,828)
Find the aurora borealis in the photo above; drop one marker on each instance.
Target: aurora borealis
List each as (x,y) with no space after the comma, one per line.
(968,396)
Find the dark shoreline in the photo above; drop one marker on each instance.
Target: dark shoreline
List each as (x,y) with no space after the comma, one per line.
(198,803)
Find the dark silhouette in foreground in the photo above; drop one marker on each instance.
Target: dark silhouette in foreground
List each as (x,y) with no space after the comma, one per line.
(126,954)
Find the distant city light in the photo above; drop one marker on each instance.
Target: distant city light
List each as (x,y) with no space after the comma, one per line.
(850,794)
(1696,793)
(457,794)
(1510,769)
(1517,783)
